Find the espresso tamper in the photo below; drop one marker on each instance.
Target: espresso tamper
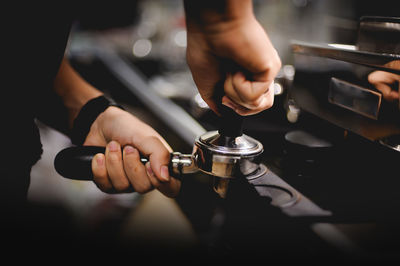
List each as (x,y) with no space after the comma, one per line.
(227,153)
(224,154)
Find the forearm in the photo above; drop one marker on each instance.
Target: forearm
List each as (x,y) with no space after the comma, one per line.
(206,15)
(225,42)
(73,90)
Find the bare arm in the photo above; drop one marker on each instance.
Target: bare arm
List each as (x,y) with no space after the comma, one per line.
(226,43)
(73,90)
(114,129)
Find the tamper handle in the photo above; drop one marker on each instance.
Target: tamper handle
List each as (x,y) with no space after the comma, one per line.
(231,123)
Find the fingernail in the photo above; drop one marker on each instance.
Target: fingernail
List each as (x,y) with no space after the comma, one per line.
(149,170)
(113,146)
(239,74)
(128,149)
(164,172)
(99,160)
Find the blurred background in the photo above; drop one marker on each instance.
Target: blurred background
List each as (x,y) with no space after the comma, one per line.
(150,37)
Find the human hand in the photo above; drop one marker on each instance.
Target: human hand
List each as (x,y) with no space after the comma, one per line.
(239,53)
(383,82)
(119,172)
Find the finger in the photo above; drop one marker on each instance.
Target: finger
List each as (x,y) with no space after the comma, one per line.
(135,170)
(392,96)
(100,176)
(115,168)
(170,188)
(159,156)
(265,103)
(395,95)
(252,95)
(155,182)
(377,77)
(249,90)
(386,91)
(249,107)
(235,99)
(230,90)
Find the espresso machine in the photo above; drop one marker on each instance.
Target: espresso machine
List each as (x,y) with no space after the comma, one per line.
(344,150)
(340,89)
(247,189)
(301,189)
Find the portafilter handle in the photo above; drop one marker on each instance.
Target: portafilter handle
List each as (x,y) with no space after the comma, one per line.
(76,162)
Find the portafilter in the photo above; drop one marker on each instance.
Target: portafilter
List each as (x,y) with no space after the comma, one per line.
(225,153)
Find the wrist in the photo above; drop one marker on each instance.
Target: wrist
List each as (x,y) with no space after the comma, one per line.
(88,115)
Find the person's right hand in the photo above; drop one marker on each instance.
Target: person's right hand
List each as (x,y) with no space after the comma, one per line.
(239,52)
(383,82)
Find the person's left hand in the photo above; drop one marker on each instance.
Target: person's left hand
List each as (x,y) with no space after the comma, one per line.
(118,172)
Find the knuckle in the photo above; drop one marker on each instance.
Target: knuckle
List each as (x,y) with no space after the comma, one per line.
(162,152)
(250,105)
(273,64)
(276,59)
(131,164)
(278,62)
(113,157)
(122,185)
(103,186)
(152,139)
(142,189)
(135,168)
(372,78)
(99,179)
(270,64)
(269,103)
(254,103)
(246,95)
(165,153)
(251,98)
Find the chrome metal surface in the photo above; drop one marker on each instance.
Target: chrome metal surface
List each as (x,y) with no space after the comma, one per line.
(379,34)
(220,156)
(358,99)
(227,157)
(183,163)
(341,102)
(242,145)
(349,54)
(392,142)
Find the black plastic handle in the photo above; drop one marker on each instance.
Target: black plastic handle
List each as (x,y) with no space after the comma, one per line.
(76,162)
(231,123)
